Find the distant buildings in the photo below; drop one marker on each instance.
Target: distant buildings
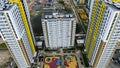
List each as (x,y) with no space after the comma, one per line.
(16,31)
(59,29)
(103,33)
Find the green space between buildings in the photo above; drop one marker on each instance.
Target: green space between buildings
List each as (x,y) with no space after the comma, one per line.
(3,45)
(86,1)
(85,60)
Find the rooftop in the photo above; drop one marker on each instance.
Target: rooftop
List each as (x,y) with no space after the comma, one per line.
(52,14)
(115,3)
(112,6)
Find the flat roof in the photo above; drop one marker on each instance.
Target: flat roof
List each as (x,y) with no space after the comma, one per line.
(53,14)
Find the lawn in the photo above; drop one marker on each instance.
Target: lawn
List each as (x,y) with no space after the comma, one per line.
(85,24)
(85,60)
(3,45)
(86,1)
(50,50)
(80,48)
(37,24)
(84,17)
(40,48)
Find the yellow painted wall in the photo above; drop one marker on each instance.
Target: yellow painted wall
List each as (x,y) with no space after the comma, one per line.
(90,47)
(115,0)
(91,25)
(24,17)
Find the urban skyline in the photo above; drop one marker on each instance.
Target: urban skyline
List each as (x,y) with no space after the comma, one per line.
(60,33)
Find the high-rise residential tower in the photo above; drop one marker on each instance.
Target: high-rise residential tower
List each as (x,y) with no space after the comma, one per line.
(16,31)
(103,33)
(59,29)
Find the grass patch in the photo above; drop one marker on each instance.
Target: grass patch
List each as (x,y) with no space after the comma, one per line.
(85,24)
(79,6)
(46,49)
(40,48)
(78,28)
(85,60)
(86,1)
(68,10)
(3,45)
(80,48)
(48,59)
(35,60)
(73,48)
(39,14)
(83,16)
(61,2)
(37,25)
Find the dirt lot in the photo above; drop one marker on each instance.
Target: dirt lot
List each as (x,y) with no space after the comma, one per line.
(4,56)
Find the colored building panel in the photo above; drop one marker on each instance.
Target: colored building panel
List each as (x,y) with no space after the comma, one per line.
(24,17)
(91,26)
(115,0)
(95,32)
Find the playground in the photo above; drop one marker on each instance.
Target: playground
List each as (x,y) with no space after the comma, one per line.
(70,62)
(52,62)
(82,13)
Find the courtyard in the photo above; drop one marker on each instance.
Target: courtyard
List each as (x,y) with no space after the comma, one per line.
(59,59)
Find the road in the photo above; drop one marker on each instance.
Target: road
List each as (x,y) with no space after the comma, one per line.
(76,14)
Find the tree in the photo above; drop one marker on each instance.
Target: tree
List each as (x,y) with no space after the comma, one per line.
(68,10)
(61,2)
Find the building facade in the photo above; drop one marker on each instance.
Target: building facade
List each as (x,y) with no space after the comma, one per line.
(103,33)
(16,31)
(59,30)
